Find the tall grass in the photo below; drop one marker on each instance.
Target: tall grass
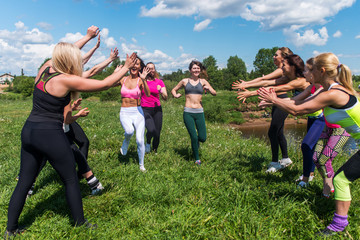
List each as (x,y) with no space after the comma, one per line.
(228,197)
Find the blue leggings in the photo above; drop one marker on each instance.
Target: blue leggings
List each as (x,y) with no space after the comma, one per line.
(315,126)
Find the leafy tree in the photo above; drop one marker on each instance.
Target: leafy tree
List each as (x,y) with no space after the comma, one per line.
(214,74)
(263,63)
(23,85)
(236,69)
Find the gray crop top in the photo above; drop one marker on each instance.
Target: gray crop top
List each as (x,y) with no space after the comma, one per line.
(190,89)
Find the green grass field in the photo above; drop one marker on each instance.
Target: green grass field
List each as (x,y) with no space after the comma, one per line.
(228,197)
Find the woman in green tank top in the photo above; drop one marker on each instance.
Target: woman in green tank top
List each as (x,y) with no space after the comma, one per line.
(341,106)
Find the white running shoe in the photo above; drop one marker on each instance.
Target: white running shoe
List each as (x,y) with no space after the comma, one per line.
(311,177)
(302,184)
(147,147)
(142,168)
(274,167)
(97,190)
(285,162)
(123,149)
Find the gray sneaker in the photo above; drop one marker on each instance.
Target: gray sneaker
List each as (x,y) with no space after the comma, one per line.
(285,162)
(274,167)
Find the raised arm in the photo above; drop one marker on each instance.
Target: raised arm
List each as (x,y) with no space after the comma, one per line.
(89,54)
(75,83)
(99,67)
(293,107)
(176,88)
(208,87)
(258,82)
(299,83)
(145,86)
(92,32)
(162,91)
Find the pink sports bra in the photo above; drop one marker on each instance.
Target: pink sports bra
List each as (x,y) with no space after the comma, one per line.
(134,93)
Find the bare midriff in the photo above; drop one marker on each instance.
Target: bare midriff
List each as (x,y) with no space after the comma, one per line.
(193,101)
(130,102)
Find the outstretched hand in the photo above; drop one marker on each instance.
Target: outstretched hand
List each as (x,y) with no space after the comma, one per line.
(92,31)
(76,104)
(98,42)
(243,95)
(114,54)
(118,68)
(130,61)
(264,104)
(268,95)
(144,72)
(82,113)
(239,84)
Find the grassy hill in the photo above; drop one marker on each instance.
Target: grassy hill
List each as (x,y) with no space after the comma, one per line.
(228,197)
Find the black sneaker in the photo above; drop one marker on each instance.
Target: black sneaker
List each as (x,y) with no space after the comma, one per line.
(88,225)
(326,233)
(12,234)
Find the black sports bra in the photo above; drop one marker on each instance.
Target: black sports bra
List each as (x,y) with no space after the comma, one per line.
(350,103)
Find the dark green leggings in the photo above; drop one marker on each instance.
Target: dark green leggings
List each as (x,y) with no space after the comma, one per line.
(195,124)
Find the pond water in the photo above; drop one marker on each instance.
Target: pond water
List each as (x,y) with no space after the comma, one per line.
(294,133)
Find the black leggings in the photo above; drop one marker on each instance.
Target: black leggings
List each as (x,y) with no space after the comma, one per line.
(153,124)
(39,141)
(80,149)
(276,132)
(78,136)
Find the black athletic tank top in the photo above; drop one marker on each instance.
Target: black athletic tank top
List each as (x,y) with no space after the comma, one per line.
(190,89)
(47,108)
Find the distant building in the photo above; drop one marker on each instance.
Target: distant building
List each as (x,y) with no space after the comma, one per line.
(6,78)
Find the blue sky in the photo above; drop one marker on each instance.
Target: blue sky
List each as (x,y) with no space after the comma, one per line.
(171,33)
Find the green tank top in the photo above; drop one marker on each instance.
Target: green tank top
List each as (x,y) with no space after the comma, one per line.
(348,118)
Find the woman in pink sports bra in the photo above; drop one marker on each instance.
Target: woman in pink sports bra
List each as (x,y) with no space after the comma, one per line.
(131,114)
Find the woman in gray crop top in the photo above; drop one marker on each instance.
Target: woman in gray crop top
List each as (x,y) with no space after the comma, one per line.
(193,111)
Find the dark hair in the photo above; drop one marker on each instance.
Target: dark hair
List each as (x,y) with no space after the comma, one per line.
(297,62)
(203,73)
(285,51)
(142,64)
(310,63)
(156,73)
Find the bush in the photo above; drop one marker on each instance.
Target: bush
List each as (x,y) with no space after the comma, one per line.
(23,85)
(112,94)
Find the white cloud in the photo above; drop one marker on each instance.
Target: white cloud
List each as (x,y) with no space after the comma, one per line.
(23,49)
(202,25)
(357,37)
(45,26)
(337,34)
(134,40)
(308,37)
(271,14)
(26,48)
(181,48)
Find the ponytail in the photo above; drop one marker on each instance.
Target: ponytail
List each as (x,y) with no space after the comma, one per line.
(335,70)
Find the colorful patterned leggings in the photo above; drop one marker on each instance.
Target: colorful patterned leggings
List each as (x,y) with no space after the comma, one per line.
(346,174)
(330,143)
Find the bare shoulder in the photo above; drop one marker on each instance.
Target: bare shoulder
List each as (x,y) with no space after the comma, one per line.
(203,81)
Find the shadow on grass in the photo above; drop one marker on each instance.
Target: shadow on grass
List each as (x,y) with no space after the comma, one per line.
(130,157)
(254,164)
(185,153)
(55,204)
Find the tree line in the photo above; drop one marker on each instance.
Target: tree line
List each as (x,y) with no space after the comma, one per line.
(220,79)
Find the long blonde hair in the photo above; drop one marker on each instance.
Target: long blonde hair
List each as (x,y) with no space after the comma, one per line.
(66,58)
(335,70)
